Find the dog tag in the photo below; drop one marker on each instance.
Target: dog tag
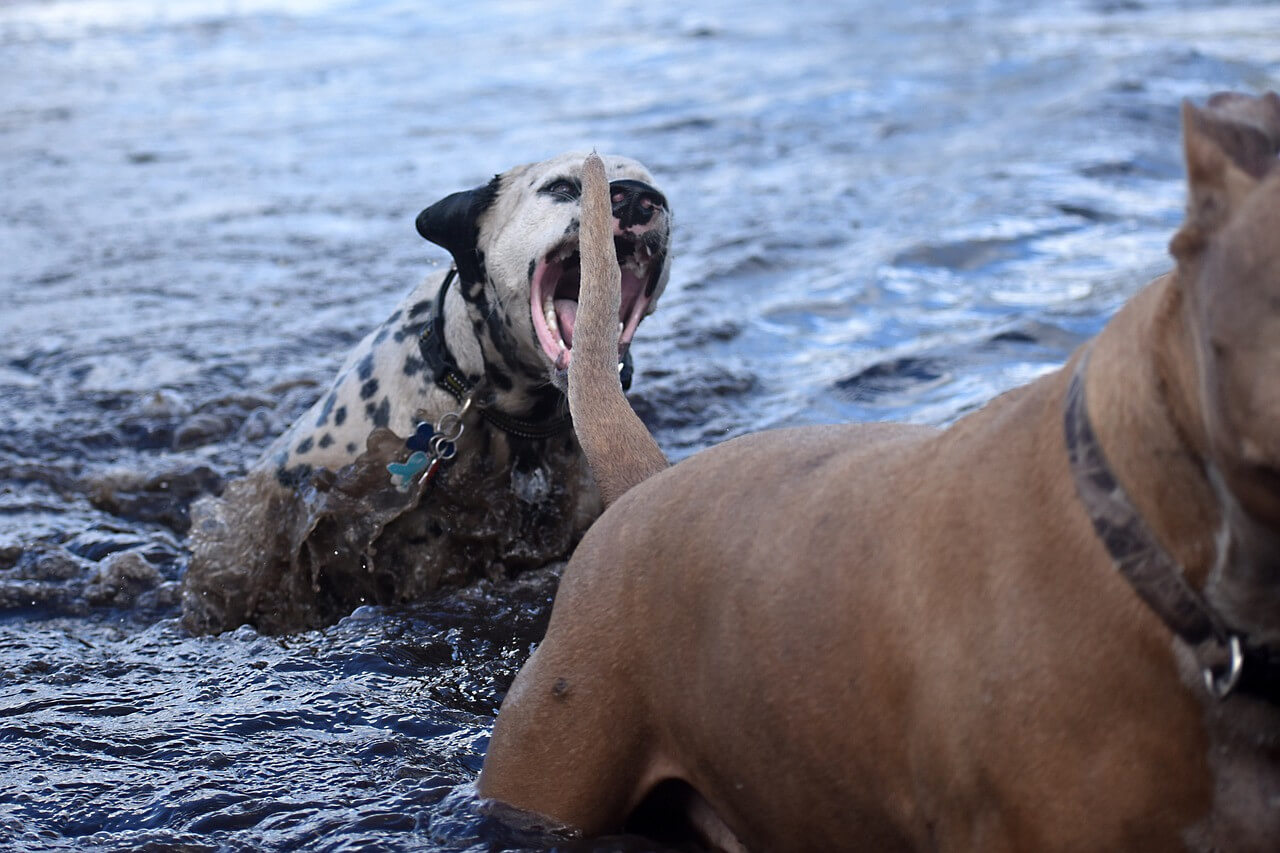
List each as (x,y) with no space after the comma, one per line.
(402,473)
(421,438)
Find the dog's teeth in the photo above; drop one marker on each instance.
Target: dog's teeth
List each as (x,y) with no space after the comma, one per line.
(620,327)
(550,314)
(620,366)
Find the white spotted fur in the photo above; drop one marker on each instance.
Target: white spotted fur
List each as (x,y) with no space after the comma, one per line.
(519,227)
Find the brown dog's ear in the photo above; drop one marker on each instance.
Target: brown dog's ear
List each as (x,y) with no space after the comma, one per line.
(453,223)
(1226,156)
(1247,128)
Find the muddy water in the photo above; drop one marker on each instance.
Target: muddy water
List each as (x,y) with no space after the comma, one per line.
(883,211)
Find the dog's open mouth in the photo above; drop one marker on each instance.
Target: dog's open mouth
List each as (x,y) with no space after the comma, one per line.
(553,293)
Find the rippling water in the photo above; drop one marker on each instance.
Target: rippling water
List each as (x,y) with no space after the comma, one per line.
(884,211)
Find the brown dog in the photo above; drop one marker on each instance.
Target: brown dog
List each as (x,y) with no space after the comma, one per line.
(1053,626)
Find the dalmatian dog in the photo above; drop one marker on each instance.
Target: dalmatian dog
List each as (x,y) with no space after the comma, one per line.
(444,450)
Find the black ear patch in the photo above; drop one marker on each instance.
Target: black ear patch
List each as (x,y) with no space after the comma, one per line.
(453,223)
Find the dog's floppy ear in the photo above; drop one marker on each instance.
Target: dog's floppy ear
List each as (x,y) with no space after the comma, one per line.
(453,223)
(1229,146)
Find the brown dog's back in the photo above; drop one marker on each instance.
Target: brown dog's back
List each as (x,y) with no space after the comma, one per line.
(887,638)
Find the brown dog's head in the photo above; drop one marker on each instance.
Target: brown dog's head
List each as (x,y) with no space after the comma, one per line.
(1228,253)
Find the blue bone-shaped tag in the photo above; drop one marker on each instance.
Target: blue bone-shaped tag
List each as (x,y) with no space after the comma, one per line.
(421,438)
(402,473)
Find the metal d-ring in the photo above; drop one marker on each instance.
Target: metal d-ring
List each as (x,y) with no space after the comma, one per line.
(448,430)
(1222,686)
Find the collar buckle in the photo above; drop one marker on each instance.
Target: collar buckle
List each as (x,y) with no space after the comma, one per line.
(1221,685)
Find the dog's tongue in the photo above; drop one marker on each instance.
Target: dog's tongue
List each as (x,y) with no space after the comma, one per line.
(566,313)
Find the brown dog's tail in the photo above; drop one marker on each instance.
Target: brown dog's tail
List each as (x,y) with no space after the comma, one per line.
(619,448)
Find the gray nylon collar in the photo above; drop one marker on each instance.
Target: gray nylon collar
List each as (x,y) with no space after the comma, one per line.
(1150,569)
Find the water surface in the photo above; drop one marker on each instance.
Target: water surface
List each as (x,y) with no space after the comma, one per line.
(884,211)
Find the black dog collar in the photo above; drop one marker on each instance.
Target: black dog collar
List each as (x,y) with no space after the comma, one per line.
(445,372)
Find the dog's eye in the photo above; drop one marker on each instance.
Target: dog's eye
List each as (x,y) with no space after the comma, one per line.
(563,189)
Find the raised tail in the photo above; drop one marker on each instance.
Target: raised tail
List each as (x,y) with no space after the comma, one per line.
(619,448)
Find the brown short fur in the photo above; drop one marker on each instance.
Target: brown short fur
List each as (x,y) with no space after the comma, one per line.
(892,638)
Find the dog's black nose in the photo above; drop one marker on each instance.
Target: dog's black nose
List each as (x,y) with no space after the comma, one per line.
(634,202)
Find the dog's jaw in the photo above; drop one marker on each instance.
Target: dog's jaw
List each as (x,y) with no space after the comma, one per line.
(553,294)
(525,246)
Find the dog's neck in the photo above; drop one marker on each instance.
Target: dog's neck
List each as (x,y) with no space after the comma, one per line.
(1142,394)
(1142,401)
(511,398)
(1244,583)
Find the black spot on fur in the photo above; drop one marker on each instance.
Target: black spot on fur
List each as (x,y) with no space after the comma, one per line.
(340,416)
(304,446)
(414,365)
(533,265)
(420,308)
(500,380)
(365,369)
(351,447)
(328,407)
(410,330)
(326,440)
(381,336)
(502,342)
(368,389)
(379,414)
(395,316)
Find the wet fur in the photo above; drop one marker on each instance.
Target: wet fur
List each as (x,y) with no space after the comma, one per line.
(316,529)
(891,638)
